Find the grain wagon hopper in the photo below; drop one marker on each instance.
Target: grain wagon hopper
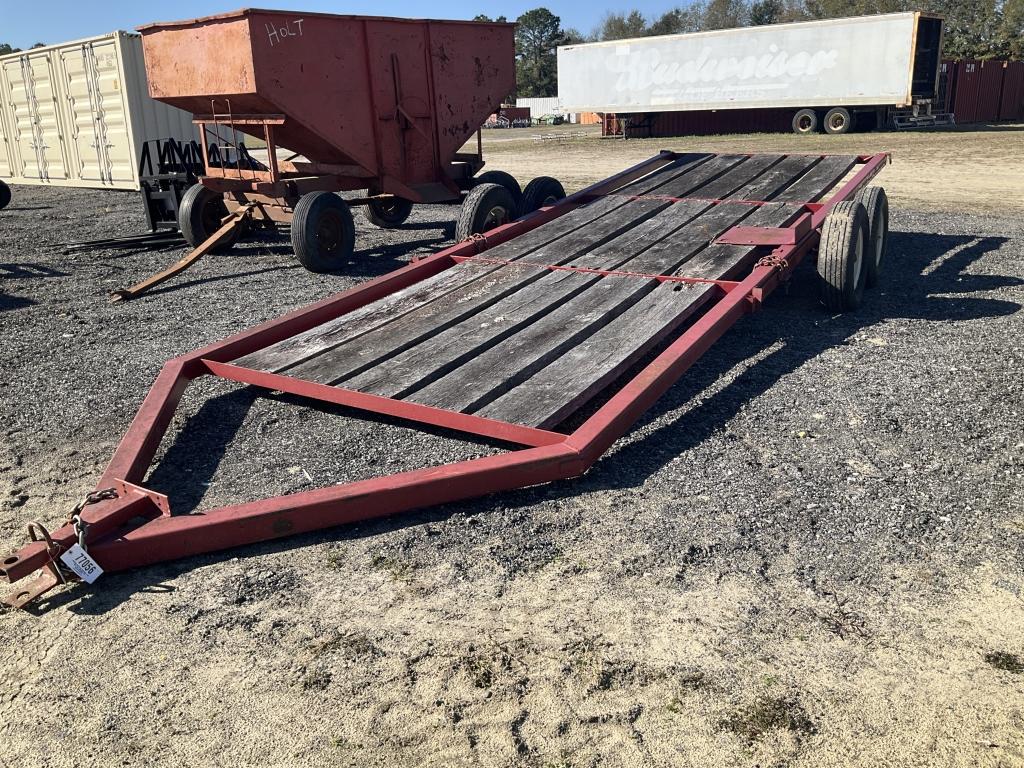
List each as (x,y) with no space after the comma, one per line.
(342,103)
(547,337)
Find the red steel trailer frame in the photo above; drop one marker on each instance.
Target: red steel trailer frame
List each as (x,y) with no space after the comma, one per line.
(544,455)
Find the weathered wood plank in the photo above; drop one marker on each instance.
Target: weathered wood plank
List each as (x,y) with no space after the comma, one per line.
(443,353)
(778,177)
(428,321)
(327,336)
(588,366)
(749,170)
(489,373)
(818,180)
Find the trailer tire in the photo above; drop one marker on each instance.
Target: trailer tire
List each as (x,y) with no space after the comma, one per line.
(5,195)
(199,216)
(323,232)
(805,122)
(485,207)
(876,204)
(541,192)
(506,180)
(841,255)
(390,213)
(838,121)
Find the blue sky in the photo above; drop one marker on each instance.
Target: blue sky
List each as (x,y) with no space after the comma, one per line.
(23,23)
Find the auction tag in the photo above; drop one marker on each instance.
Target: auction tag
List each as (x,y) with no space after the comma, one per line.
(78,560)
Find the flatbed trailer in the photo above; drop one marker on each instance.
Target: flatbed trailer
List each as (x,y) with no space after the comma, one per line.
(504,337)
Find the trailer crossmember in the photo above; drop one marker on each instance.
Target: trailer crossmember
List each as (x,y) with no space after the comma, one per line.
(578,312)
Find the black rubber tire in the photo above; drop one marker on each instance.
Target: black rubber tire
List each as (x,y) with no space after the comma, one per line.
(542,191)
(5,195)
(485,207)
(838,121)
(841,252)
(506,180)
(805,122)
(876,204)
(388,214)
(323,232)
(199,216)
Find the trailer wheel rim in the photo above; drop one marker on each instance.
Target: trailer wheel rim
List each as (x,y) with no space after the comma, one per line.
(329,232)
(496,216)
(858,260)
(213,214)
(836,122)
(804,122)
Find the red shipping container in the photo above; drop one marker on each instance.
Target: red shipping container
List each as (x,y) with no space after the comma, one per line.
(991,91)
(1011,105)
(968,91)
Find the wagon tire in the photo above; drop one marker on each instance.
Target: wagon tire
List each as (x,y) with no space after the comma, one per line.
(838,121)
(876,204)
(323,232)
(805,121)
(506,180)
(484,208)
(541,192)
(842,251)
(388,213)
(199,216)
(5,195)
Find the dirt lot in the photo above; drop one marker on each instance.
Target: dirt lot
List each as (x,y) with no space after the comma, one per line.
(808,553)
(949,170)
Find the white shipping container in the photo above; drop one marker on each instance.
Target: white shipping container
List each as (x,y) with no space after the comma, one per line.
(884,60)
(77,114)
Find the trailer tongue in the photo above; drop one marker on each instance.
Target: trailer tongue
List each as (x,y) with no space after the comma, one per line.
(502,337)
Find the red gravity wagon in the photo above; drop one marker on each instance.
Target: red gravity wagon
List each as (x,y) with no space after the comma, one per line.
(341,103)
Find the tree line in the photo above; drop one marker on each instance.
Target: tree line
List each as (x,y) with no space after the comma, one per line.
(975,29)
(6,48)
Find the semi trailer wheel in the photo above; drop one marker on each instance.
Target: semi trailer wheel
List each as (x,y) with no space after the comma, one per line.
(200,215)
(388,213)
(876,204)
(323,232)
(838,120)
(541,192)
(485,207)
(805,121)
(5,195)
(506,180)
(841,255)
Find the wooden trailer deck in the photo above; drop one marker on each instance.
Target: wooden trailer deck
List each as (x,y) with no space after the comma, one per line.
(530,330)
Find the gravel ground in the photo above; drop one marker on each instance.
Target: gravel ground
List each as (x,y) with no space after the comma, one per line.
(808,553)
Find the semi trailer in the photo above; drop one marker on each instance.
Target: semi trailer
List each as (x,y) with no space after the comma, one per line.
(829,75)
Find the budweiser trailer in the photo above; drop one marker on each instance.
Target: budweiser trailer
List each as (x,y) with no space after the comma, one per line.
(818,75)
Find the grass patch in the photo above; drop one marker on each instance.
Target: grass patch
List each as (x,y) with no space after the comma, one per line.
(1006,662)
(766,714)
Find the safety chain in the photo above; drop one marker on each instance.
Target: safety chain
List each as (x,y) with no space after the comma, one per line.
(771,260)
(75,518)
(479,242)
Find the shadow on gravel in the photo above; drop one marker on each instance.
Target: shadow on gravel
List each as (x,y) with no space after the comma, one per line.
(924,278)
(22,271)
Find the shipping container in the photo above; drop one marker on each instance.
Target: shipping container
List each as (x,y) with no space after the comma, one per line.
(77,114)
(1011,103)
(829,69)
